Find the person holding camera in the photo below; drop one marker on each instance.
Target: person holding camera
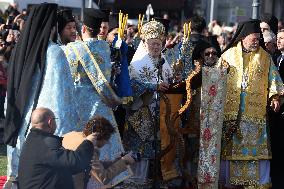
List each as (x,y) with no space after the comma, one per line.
(100,172)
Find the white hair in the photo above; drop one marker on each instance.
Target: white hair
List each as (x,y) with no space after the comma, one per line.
(269,36)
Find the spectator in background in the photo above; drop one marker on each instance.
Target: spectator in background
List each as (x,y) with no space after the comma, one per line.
(10,31)
(276,128)
(2,21)
(12,10)
(6,50)
(215,28)
(221,40)
(171,40)
(229,36)
(269,39)
(24,12)
(130,33)
(12,37)
(280,59)
(280,25)
(198,25)
(166,16)
(3,82)
(7,55)
(19,21)
(4,32)
(269,22)
(3,44)
(264,27)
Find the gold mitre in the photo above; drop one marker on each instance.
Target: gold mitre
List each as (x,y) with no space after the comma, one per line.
(153,30)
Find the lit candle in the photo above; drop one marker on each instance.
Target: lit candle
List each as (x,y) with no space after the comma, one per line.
(189,30)
(184,30)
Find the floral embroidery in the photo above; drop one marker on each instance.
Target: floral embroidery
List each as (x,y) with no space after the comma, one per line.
(207,134)
(208,177)
(147,74)
(212,91)
(211,114)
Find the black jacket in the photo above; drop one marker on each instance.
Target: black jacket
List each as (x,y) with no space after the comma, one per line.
(281,67)
(281,72)
(195,38)
(45,164)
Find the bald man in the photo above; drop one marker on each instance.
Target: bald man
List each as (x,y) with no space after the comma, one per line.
(42,118)
(44,163)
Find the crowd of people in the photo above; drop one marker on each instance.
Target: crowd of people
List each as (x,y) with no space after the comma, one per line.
(146,106)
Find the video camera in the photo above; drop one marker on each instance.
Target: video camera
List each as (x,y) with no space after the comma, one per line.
(9,23)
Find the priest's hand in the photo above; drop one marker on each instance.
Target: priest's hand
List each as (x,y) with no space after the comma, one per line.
(163,86)
(275,105)
(2,27)
(93,138)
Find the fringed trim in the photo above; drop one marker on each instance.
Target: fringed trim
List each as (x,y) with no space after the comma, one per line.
(243,182)
(260,186)
(230,116)
(233,116)
(247,158)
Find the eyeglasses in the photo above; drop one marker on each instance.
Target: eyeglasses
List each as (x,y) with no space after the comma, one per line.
(212,53)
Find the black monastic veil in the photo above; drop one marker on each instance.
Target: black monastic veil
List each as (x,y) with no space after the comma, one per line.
(29,54)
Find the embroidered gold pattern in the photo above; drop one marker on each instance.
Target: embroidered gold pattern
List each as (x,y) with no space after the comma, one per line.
(257,64)
(153,30)
(142,123)
(147,74)
(244,173)
(254,145)
(259,186)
